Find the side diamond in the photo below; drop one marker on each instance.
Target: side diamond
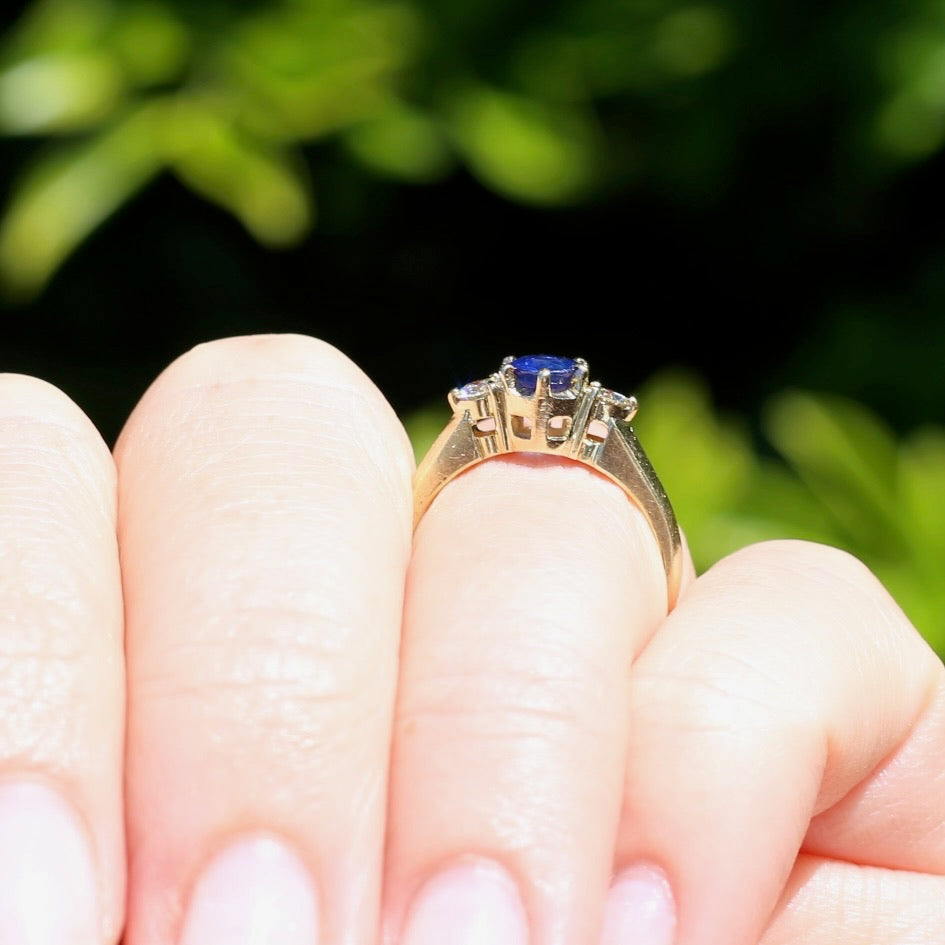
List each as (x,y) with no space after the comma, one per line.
(612,397)
(473,390)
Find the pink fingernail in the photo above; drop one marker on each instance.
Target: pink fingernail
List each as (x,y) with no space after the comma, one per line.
(256,892)
(48,892)
(640,909)
(476,904)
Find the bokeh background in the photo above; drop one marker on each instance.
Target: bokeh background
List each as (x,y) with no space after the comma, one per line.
(731,208)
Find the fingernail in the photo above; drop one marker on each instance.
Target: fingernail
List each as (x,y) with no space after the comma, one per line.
(476,904)
(640,909)
(256,892)
(48,891)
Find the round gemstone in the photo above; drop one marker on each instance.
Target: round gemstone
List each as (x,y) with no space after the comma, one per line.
(473,390)
(526,368)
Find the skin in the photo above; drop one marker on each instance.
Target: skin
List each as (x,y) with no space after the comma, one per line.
(499,698)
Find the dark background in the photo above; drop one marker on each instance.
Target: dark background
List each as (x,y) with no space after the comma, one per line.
(760,243)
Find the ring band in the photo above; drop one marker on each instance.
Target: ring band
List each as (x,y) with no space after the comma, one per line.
(545,404)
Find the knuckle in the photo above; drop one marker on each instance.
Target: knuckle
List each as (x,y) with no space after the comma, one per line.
(248,353)
(262,357)
(278,673)
(300,381)
(728,697)
(806,562)
(825,586)
(501,703)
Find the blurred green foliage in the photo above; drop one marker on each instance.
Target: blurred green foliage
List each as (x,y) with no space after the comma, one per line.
(548,104)
(835,475)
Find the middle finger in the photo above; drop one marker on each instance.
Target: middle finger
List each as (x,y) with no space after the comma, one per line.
(264,522)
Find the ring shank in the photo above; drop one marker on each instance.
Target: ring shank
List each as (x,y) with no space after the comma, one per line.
(619,457)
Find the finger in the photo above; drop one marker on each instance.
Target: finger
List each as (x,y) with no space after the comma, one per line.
(835,903)
(61,674)
(265,528)
(896,816)
(532,585)
(785,677)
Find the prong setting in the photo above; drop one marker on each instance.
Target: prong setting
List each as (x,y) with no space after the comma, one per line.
(579,381)
(542,404)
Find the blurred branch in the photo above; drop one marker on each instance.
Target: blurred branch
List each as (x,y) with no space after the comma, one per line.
(68,192)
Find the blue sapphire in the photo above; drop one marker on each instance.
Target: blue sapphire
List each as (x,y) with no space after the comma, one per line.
(525,372)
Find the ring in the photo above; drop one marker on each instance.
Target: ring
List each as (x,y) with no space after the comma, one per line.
(545,404)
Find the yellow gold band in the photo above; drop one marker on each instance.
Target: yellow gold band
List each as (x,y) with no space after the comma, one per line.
(545,404)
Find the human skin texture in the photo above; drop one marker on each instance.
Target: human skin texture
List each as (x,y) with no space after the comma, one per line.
(243,704)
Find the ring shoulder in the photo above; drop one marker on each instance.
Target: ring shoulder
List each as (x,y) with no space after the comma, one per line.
(458,447)
(623,459)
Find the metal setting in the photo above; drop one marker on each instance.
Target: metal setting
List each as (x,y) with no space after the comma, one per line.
(583,422)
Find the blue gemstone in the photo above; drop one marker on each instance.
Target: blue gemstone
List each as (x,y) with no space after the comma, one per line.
(525,371)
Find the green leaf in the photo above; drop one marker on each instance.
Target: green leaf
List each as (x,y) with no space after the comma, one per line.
(776,504)
(262,185)
(402,143)
(908,128)
(302,71)
(423,426)
(847,458)
(922,504)
(59,91)
(526,149)
(922,496)
(693,40)
(922,602)
(68,193)
(59,26)
(151,43)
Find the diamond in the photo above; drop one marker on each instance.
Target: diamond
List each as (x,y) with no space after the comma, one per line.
(473,390)
(617,405)
(526,368)
(612,397)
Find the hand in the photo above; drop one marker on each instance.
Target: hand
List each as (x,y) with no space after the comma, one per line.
(307,756)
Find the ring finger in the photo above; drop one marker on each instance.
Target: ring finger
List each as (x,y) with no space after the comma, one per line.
(532,585)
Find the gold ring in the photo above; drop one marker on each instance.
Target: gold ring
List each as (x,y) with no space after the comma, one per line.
(545,404)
